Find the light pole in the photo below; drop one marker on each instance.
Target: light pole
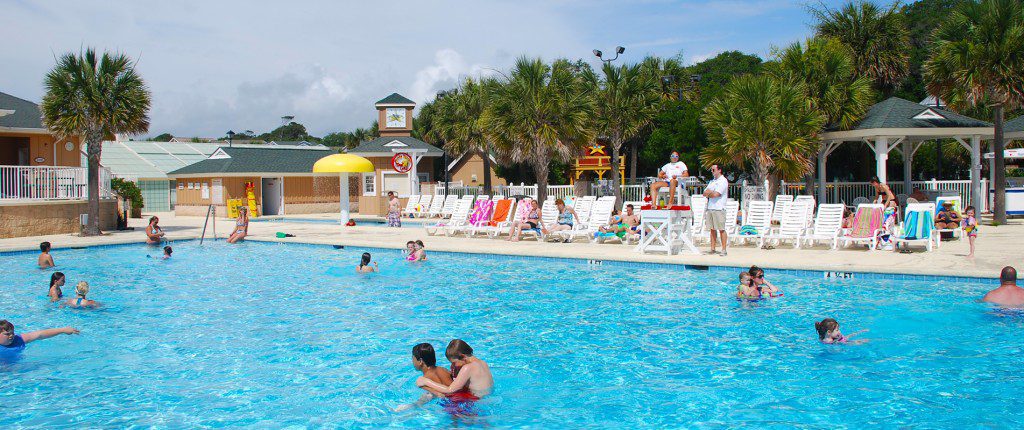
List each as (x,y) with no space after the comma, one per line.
(618,50)
(444,152)
(671,81)
(231,135)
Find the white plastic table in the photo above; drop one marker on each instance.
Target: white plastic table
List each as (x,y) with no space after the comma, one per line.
(667,231)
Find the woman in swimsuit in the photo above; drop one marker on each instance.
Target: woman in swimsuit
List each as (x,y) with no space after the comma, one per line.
(828,332)
(154,234)
(761,284)
(241,225)
(364,264)
(81,290)
(531,222)
(394,210)
(56,281)
(885,196)
(565,218)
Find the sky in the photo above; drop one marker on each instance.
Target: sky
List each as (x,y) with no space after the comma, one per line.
(242,65)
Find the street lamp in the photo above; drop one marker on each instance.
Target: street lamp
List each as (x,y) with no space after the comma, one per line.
(670,81)
(618,50)
(444,152)
(231,135)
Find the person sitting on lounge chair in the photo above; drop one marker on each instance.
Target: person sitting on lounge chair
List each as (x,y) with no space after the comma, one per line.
(946,218)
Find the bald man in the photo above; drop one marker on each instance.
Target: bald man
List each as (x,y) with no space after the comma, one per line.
(1008,293)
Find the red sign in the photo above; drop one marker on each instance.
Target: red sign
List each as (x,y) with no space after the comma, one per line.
(402,162)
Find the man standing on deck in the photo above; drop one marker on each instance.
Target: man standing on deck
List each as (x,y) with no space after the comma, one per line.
(669,176)
(1008,293)
(717,193)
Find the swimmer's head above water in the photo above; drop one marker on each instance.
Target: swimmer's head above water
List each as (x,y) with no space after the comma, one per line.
(458,352)
(423,356)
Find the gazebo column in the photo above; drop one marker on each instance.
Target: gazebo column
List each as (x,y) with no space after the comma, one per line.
(977,198)
(908,159)
(881,155)
(823,152)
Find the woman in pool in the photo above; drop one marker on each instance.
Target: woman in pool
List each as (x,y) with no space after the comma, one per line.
(364,264)
(531,222)
(761,284)
(81,290)
(828,332)
(56,281)
(472,376)
(154,234)
(241,225)
(394,210)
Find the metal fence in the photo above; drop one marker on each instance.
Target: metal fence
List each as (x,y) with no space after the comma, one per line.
(836,192)
(49,183)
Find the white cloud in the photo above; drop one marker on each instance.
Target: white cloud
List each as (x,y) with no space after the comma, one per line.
(448,70)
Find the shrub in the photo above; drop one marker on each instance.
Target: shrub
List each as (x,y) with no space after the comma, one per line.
(127,190)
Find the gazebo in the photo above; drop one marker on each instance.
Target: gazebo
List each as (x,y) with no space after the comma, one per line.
(1014,129)
(899,123)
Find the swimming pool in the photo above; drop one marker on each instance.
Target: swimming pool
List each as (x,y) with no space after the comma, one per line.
(276,335)
(363,222)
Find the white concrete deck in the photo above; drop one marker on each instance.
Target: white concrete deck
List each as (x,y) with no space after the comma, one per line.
(996,247)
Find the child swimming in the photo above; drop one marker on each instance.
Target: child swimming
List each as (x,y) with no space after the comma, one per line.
(746,289)
(364,265)
(11,343)
(828,332)
(425,360)
(45,259)
(167,252)
(410,249)
(472,376)
(418,254)
(56,281)
(81,290)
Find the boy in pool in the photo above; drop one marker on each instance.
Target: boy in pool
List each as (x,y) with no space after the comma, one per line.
(746,290)
(45,259)
(14,343)
(473,378)
(828,332)
(425,360)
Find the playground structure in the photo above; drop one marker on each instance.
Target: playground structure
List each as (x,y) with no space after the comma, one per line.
(596,161)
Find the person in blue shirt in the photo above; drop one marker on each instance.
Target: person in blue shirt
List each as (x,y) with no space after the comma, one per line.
(13,343)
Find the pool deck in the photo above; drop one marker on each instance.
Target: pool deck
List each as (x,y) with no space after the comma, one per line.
(996,247)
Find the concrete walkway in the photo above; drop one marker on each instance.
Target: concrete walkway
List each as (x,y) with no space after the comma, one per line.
(996,247)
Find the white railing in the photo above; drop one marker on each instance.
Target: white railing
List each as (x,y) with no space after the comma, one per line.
(49,183)
(836,192)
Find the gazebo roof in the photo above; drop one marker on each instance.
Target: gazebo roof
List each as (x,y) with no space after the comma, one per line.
(898,117)
(1015,125)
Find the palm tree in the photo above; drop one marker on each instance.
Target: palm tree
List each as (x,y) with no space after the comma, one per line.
(976,59)
(94,97)
(879,39)
(459,122)
(626,99)
(540,113)
(763,123)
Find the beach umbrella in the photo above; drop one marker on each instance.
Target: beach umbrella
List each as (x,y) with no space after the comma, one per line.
(343,164)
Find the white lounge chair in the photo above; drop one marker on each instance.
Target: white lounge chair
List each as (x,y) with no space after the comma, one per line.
(548,216)
(782,201)
(808,200)
(470,227)
(791,226)
(758,217)
(449,206)
(500,225)
(732,212)
(410,205)
(957,207)
(630,235)
(828,226)
(423,206)
(917,215)
(459,215)
(869,235)
(600,213)
(436,205)
(698,205)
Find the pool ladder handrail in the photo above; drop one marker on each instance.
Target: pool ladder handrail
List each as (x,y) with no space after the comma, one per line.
(209,210)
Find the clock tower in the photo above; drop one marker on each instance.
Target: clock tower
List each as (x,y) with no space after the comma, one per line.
(394,116)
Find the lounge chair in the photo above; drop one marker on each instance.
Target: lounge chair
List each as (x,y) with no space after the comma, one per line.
(459,215)
(867,222)
(782,202)
(732,212)
(481,214)
(828,225)
(410,205)
(756,222)
(957,207)
(600,214)
(809,201)
(917,226)
(698,205)
(624,237)
(502,221)
(423,206)
(791,227)
(548,216)
(436,205)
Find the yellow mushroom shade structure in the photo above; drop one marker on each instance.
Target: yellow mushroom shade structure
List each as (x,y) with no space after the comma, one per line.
(343,164)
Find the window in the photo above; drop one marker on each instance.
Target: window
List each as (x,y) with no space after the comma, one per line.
(370,184)
(397,182)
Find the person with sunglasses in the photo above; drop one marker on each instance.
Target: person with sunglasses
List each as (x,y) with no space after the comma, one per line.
(669,176)
(762,285)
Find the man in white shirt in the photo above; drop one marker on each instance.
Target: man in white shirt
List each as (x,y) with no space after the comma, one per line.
(717,193)
(669,176)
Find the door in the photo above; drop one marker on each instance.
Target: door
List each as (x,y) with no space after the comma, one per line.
(273,196)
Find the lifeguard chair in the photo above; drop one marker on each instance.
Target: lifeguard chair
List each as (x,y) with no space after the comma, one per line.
(597,161)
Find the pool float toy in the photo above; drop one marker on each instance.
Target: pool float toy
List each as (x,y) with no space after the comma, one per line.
(281,235)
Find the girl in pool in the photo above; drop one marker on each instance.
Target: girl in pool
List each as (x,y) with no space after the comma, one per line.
(472,376)
(746,288)
(56,281)
(364,265)
(81,290)
(970,226)
(425,360)
(761,284)
(241,225)
(828,332)
(419,254)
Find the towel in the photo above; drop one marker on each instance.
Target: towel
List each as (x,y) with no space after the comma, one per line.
(500,212)
(866,221)
(916,225)
(523,211)
(482,212)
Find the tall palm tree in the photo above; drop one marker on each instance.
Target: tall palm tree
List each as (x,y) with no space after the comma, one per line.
(459,122)
(765,124)
(878,37)
(976,58)
(626,99)
(540,113)
(94,97)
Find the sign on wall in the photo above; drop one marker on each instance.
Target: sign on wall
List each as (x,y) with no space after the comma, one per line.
(402,162)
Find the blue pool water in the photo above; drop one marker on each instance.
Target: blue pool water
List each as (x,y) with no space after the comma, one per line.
(364,222)
(275,335)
